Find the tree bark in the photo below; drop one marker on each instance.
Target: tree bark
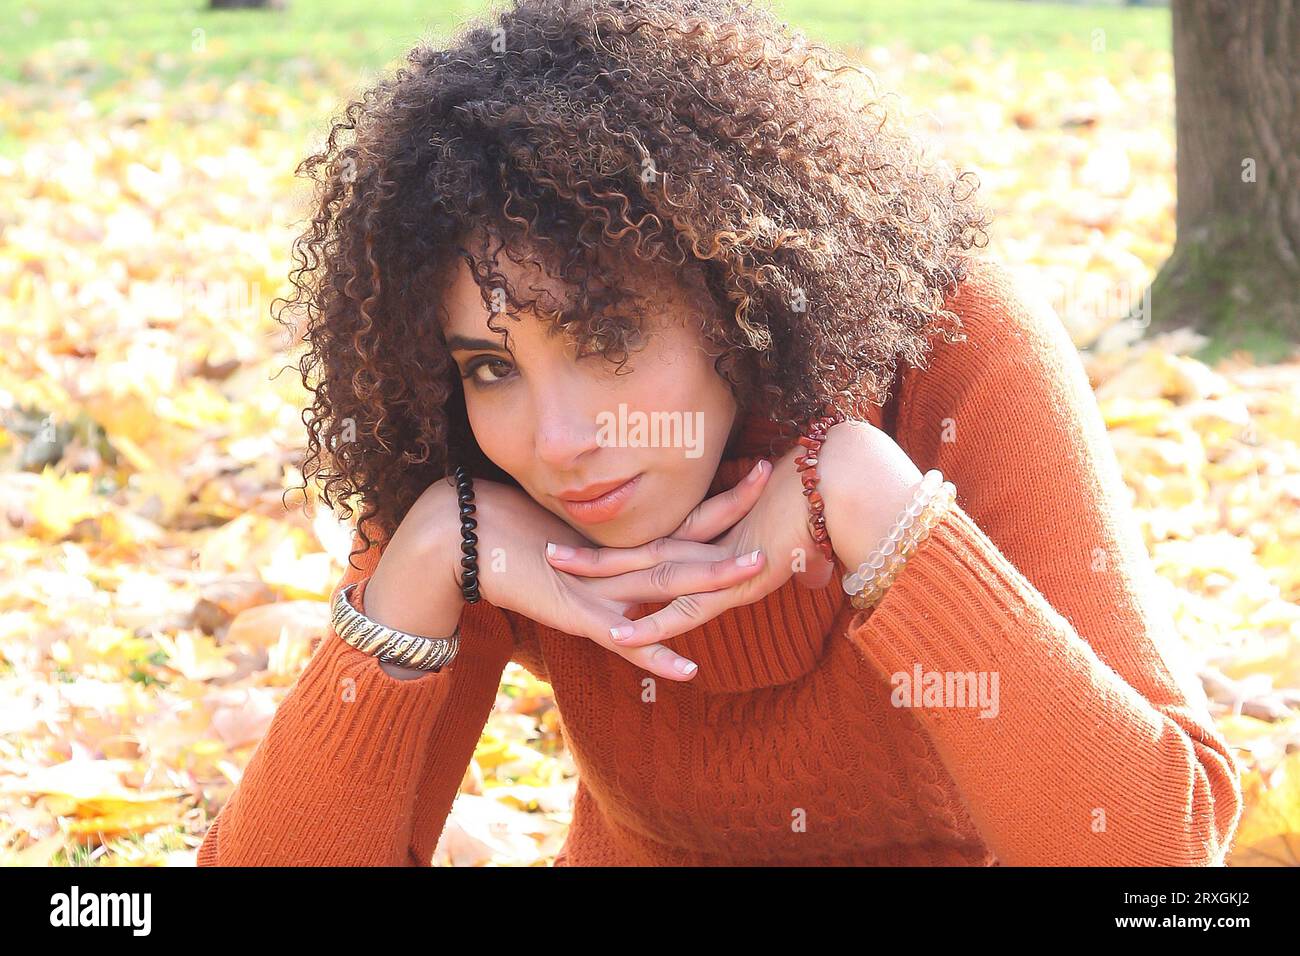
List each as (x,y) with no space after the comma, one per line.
(246,4)
(1235,269)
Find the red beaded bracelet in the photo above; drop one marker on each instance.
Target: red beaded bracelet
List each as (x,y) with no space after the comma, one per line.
(806,463)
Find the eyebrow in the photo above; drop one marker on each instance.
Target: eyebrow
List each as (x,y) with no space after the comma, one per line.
(457,343)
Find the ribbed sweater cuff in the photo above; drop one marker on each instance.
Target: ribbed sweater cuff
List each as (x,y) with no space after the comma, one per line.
(345,753)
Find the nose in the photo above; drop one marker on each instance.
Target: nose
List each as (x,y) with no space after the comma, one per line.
(566,430)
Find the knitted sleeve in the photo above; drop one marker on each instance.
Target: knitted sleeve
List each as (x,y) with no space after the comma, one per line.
(1092,743)
(359,768)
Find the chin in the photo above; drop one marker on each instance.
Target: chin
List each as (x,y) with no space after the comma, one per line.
(631,531)
(618,534)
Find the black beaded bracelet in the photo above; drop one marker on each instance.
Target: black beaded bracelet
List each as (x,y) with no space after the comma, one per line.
(469,540)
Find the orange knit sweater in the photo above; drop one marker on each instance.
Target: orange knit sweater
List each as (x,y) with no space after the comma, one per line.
(788,747)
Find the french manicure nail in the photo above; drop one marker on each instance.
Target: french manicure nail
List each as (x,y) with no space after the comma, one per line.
(558,550)
(748,560)
(621,633)
(683,666)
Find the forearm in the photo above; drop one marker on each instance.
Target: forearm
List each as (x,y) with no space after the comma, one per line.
(335,777)
(429,541)
(414,611)
(867,481)
(1060,760)
(1122,776)
(354,748)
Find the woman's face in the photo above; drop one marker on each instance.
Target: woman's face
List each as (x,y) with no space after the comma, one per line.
(568,428)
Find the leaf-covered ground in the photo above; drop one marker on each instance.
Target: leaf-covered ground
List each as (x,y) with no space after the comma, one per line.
(157,599)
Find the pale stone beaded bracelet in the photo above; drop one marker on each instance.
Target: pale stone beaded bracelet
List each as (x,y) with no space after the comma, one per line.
(930,501)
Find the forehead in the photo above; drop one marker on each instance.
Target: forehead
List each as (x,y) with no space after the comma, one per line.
(527,281)
(644,288)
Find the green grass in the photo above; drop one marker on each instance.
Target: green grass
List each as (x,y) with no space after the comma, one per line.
(1266,346)
(106,40)
(179,39)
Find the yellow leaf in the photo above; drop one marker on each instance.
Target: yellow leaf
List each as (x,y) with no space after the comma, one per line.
(1270,824)
(197,656)
(60,502)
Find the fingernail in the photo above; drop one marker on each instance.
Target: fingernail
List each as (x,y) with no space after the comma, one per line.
(558,550)
(621,633)
(748,560)
(683,666)
(756,472)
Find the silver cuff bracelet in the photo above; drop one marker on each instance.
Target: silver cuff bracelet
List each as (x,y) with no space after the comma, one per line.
(389,644)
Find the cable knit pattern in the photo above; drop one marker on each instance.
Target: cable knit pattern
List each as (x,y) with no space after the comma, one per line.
(787,748)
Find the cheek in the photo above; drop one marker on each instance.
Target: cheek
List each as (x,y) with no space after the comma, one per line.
(682,379)
(498,432)
(713,399)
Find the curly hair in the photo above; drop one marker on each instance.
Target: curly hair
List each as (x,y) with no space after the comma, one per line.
(694,134)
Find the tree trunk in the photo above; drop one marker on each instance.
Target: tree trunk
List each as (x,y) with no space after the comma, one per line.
(246,4)
(1235,269)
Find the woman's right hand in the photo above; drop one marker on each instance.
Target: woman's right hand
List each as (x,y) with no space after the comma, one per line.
(513,531)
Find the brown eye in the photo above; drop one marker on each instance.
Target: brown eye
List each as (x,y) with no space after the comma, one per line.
(498,366)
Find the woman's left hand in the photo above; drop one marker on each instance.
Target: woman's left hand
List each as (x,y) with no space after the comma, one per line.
(855,464)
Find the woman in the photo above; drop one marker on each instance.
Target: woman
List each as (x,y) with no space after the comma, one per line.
(592,219)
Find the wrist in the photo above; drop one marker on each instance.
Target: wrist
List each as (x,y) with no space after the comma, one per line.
(440,517)
(393,651)
(867,481)
(421,549)
(401,673)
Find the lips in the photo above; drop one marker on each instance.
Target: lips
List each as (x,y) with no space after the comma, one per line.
(592,492)
(604,505)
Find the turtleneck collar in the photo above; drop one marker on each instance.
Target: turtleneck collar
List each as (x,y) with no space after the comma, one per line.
(755,434)
(760,437)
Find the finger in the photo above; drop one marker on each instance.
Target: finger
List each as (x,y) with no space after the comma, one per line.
(714,516)
(605,562)
(661,660)
(596,625)
(667,580)
(686,612)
